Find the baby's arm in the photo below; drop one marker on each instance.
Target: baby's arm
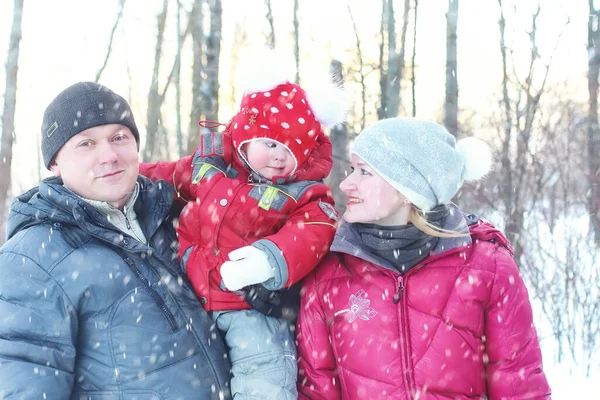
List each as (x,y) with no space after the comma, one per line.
(186,172)
(296,249)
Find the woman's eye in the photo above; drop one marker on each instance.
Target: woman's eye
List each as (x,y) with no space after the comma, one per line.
(364,172)
(351,169)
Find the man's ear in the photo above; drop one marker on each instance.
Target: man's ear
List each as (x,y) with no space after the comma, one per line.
(54,168)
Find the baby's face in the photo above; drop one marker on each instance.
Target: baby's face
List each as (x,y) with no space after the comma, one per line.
(269,158)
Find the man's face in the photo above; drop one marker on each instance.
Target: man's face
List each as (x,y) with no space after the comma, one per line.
(100,163)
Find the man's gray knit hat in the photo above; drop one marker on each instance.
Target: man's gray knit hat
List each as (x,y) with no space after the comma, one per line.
(79,107)
(421,159)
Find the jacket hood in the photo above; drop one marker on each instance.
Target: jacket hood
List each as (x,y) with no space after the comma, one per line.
(483,230)
(49,202)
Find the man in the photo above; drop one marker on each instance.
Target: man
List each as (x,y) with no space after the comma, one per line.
(93,303)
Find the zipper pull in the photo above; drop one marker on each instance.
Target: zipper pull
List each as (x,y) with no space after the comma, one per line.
(127,220)
(398,293)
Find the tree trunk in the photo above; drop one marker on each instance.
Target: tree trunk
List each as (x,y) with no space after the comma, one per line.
(177,77)
(110,41)
(297,41)
(593,132)
(205,104)
(196,29)
(271,41)
(451,102)
(391,78)
(339,142)
(361,74)
(154,99)
(210,96)
(8,114)
(413,79)
(383,78)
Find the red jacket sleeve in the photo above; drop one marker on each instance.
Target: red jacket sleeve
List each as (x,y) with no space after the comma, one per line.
(319,163)
(514,369)
(304,239)
(177,173)
(318,379)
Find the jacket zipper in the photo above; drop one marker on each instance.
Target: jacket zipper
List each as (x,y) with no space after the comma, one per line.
(398,294)
(398,297)
(154,294)
(126,220)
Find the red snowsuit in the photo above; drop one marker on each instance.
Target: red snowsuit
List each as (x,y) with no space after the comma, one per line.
(230,207)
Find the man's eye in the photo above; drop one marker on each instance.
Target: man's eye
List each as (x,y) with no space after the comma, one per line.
(85,144)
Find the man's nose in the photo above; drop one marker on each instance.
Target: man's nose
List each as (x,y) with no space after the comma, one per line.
(106,153)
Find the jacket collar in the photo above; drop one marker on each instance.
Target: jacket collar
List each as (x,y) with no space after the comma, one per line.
(347,240)
(51,202)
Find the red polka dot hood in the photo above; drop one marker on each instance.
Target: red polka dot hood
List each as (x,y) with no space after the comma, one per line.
(273,108)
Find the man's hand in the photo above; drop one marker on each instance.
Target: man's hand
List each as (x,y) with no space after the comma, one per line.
(248,266)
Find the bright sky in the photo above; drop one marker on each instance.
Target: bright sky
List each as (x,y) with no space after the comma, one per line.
(65,41)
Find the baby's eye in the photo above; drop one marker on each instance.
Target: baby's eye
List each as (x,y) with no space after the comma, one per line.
(271,144)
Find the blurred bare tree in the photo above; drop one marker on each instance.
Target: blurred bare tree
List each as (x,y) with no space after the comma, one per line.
(205,71)
(154,128)
(451,102)
(339,141)
(593,132)
(391,59)
(111,39)
(8,113)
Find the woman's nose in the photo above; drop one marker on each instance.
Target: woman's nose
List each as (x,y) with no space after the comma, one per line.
(347,184)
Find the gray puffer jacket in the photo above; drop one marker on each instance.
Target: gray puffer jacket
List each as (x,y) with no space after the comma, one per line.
(89,313)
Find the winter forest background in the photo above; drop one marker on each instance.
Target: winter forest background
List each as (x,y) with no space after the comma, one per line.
(519,74)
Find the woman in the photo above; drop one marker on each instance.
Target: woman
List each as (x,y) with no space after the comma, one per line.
(416,300)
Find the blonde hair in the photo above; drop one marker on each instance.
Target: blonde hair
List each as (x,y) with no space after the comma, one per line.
(417,218)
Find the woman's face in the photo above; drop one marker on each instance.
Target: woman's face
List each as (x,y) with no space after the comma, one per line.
(371,199)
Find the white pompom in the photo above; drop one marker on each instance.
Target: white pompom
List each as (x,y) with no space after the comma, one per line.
(327,100)
(478,158)
(261,69)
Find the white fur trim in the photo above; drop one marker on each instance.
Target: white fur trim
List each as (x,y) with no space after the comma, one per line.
(478,158)
(261,69)
(327,100)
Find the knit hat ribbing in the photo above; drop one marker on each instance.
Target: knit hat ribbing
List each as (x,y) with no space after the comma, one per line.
(79,107)
(421,159)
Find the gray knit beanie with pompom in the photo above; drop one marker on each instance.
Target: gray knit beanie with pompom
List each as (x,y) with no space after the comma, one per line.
(421,159)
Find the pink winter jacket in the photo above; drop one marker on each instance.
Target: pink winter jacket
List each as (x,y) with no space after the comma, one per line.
(456,326)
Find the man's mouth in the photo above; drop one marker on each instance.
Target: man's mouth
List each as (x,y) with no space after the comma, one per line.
(111,174)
